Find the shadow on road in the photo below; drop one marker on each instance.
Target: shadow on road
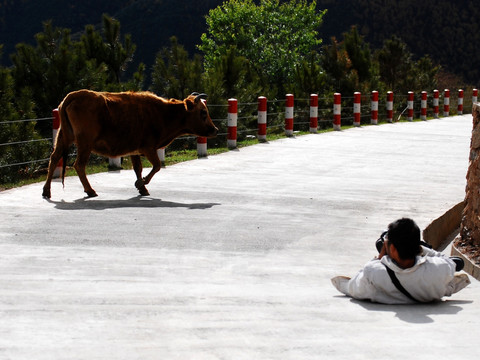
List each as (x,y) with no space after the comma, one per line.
(417,313)
(135,202)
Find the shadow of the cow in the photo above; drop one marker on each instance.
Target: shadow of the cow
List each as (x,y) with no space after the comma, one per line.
(135,202)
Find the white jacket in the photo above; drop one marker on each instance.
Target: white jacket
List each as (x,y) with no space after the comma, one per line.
(431,278)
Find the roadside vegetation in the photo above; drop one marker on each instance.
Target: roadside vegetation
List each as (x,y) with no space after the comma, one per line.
(250,49)
(99,165)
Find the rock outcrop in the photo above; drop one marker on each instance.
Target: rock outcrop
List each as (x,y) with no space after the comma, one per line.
(470,225)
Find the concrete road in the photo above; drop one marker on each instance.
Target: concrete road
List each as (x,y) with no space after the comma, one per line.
(231,256)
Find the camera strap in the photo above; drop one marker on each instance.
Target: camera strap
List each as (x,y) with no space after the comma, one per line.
(399,286)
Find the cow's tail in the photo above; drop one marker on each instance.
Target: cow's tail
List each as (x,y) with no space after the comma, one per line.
(65,133)
(64,168)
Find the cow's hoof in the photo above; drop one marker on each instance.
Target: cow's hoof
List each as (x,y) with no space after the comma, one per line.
(91,193)
(46,194)
(143,191)
(139,184)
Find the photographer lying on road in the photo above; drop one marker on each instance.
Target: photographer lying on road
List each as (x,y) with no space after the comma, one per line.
(405,271)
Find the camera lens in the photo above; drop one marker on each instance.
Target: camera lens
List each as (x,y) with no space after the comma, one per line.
(380,241)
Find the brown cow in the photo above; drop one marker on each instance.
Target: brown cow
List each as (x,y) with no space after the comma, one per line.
(120,124)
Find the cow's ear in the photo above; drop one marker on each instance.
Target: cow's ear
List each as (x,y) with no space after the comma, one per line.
(189,104)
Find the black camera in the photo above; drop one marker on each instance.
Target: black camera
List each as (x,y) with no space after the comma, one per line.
(380,241)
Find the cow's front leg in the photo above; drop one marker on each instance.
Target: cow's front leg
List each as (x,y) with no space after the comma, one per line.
(152,156)
(137,167)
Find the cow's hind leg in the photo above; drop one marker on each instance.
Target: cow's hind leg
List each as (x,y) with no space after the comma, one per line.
(54,159)
(137,167)
(79,165)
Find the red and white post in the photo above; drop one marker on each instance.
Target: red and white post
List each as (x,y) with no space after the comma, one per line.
(474,96)
(232,124)
(410,106)
(56,126)
(374,108)
(436,95)
(262,118)
(337,111)
(446,102)
(389,106)
(460,102)
(423,106)
(357,99)
(115,162)
(289,101)
(201,146)
(161,155)
(313,113)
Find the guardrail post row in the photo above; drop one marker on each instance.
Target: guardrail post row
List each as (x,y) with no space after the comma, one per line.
(460,102)
(374,108)
(313,113)
(262,118)
(201,146)
(337,111)
(55,127)
(474,96)
(423,106)
(446,102)
(389,106)
(232,123)
(289,101)
(410,106)
(436,95)
(357,99)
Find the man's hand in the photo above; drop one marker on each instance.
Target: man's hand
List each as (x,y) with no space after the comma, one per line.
(383,251)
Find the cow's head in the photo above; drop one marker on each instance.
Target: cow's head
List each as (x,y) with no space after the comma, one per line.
(198,119)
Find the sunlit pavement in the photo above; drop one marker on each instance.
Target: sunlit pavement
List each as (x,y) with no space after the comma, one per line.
(231,256)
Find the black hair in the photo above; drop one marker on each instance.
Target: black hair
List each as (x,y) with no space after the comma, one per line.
(404,234)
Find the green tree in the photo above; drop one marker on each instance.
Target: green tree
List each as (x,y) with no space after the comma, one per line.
(233,76)
(274,36)
(7,110)
(359,54)
(341,77)
(310,76)
(109,49)
(53,68)
(57,65)
(349,65)
(395,64)
(174,75)
(239,79)
(20,141)
(137,81)
(425,74)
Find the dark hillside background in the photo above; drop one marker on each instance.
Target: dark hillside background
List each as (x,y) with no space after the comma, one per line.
(449,31)
(20,20)
(446,30)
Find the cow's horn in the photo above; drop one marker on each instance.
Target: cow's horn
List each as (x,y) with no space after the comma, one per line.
(200,96)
